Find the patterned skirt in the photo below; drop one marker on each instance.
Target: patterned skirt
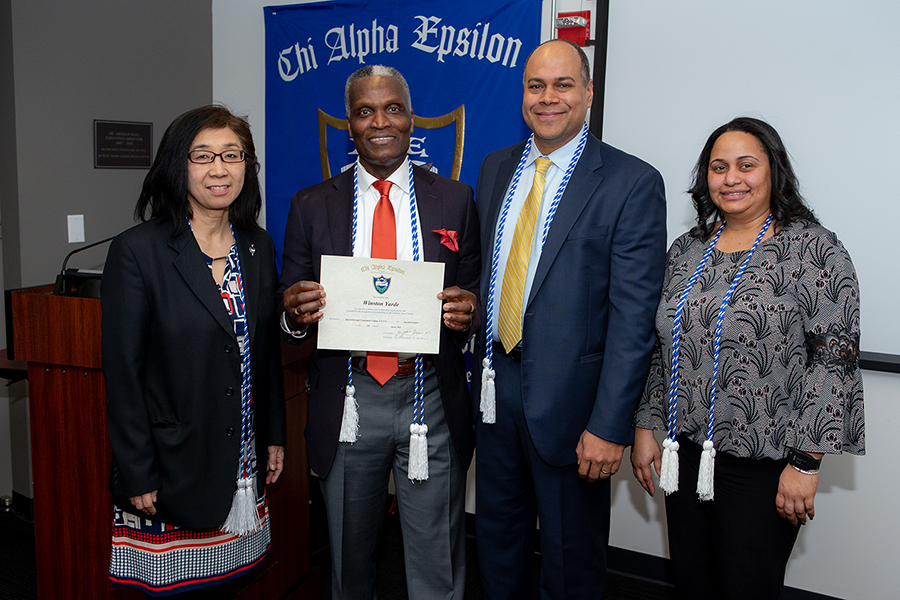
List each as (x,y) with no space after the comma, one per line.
(162,560)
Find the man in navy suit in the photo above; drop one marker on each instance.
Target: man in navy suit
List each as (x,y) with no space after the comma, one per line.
(338,217)
(563,368)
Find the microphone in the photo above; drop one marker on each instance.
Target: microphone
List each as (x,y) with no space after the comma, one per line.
(75,282)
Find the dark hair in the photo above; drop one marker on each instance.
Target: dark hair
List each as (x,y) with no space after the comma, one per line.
(786,202)
(585,63)
(165,194)
(373,71)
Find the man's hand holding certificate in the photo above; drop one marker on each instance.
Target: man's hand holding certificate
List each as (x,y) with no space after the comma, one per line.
(379,305)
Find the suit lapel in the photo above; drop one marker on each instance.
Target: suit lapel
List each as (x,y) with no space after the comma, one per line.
(428,205)
(505,172)
(192,266)
(339,206)
(584,182)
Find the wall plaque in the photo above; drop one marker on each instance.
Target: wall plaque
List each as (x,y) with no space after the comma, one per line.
(123,145)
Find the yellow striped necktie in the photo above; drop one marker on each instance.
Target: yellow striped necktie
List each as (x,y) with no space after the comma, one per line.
(509,323)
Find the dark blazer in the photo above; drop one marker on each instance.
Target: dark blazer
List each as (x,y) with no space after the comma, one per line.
(319,222)
(173,371)
(588,331)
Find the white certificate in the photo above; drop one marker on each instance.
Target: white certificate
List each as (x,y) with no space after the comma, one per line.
(381,305)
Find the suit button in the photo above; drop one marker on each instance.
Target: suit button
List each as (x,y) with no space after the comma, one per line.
(229,391)
(229,432)
(228,348)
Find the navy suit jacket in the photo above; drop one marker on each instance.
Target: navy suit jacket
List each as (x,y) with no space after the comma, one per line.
(173,371)
(587,331)
(319,222)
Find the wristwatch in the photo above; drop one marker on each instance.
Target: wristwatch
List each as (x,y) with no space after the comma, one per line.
(802,461)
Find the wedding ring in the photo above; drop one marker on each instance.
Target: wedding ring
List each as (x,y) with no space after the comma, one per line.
(605,472)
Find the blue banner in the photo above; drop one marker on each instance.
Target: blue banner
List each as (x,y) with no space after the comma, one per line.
(464,61)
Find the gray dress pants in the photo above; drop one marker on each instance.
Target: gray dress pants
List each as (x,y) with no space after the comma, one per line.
(432,512)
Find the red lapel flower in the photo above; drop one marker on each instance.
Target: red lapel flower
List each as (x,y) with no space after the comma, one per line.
(448,238)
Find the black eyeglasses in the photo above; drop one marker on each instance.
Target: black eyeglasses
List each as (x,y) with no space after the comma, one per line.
(204,157)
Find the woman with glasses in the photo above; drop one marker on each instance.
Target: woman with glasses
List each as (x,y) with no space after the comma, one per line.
(191,360)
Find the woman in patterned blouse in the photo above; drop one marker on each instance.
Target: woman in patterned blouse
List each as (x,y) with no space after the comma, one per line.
(755,375)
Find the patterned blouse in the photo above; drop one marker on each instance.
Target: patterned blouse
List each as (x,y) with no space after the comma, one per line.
(788,364)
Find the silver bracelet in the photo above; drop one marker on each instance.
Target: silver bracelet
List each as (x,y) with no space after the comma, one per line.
(297,335)
(799,470)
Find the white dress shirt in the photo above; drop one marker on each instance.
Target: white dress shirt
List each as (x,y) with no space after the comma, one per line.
(368,199)
(399,195)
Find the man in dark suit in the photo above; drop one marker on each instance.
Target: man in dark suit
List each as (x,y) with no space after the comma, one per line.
(345,215)
(575,248)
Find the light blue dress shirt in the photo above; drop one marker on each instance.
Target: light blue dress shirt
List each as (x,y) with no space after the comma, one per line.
(561,158)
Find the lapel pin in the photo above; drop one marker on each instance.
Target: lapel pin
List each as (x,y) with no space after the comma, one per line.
(252,249)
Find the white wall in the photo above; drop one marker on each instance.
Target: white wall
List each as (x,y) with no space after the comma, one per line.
(824,73)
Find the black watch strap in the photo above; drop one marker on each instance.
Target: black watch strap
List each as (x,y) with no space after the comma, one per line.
(802,460)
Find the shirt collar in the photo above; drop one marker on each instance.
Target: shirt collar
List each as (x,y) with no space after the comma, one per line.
(400,177)
(561,157)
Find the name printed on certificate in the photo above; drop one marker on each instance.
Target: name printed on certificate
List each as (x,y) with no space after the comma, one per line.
(375,304)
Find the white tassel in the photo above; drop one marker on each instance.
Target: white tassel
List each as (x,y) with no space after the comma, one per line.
(418,452)
(350,422)
(488,394)
(707,468)
(243,518)
(668,478)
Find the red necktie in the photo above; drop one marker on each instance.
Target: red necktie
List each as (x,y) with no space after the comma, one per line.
(382,365)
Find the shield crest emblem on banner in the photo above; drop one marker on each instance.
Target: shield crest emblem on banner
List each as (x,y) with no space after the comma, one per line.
(456,118)
(381,283)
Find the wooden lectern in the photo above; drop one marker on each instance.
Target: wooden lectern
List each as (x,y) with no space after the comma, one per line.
(59,336)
